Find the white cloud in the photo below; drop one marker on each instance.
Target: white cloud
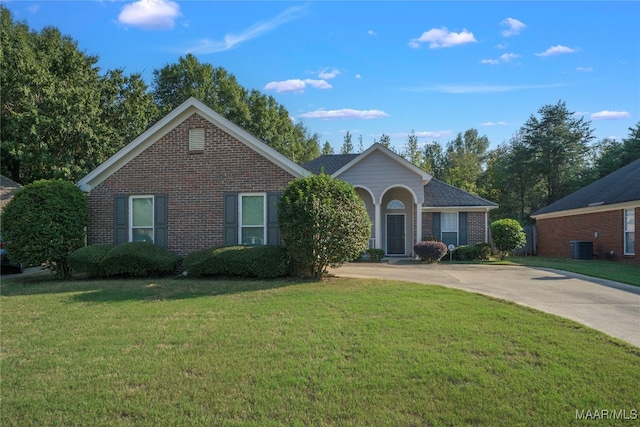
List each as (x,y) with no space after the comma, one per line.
(318,84)
(505,57)
(514,25)
(441,37)
(584,69)
(557,50)
(325,74)
(205,46)
(150,14)
(501,46)
(345,113)
(493,124)
(296,85)
(34,8)
(610,115)
(358,76)
(371,33)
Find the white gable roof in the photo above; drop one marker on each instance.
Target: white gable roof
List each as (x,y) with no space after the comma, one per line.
(393,156)
(168,123)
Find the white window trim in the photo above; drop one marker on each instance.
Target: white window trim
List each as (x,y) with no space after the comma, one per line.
(626,250)
(457,230)
(264,224)
(397,204)
(153,216)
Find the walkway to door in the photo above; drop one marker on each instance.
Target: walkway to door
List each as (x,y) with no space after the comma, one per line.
(610,307)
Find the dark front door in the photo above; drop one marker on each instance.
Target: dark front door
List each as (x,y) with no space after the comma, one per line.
(395,234)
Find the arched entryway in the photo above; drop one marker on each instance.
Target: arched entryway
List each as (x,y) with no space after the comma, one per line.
(398,221)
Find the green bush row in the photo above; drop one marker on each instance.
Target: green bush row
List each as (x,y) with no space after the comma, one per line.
(129,259)
(239,261)
(481,251)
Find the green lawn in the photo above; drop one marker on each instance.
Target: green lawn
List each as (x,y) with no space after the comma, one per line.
(260,353)
(620,272)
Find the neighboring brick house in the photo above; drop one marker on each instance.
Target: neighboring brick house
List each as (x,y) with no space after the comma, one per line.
(604,215)
(195,180)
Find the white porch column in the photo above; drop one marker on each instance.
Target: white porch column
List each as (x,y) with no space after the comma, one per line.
(418,222)
(378,225)
(486,225)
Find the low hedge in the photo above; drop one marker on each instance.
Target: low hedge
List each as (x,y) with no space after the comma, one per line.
(430,251)
(240,261)
(139,259)
(479,251)
(88,259)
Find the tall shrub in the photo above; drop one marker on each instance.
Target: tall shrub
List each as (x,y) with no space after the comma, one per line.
(323,223)
(44,223)
(508,235)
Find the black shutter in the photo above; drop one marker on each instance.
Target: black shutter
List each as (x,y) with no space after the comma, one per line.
(121,234)
(230,218)
(161,214)
(435,225)
(462,228)
(273,229)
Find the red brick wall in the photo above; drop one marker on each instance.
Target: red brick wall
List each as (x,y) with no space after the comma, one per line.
(475,226)
(194,182)
(555,234)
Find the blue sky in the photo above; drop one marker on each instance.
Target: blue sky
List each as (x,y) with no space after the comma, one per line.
(435,68)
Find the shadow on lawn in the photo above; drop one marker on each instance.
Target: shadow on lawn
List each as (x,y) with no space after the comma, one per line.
(145,289)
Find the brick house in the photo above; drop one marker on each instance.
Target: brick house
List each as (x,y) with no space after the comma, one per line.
(604,215)
(195,180)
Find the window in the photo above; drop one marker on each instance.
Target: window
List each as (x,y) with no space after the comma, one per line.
(449,228)
(395,204)
(629,231)
(252,214)
(141,208)
(196,139)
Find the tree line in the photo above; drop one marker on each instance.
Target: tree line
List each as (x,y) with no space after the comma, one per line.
(62,117)
(552,155)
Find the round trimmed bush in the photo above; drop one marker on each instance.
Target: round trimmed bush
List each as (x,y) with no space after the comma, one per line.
(430,251)
(139,259)
(508,235)
(264,262)
(89,259)
(45,222)
(323,222)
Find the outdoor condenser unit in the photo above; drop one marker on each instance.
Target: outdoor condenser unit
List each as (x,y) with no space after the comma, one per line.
(581,249)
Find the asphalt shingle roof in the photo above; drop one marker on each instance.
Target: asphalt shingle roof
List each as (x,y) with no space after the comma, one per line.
(438,194)
(620,186)
(7,188)
(330,163)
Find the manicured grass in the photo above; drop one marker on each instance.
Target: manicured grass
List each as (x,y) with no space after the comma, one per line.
(620,272)
(340,352)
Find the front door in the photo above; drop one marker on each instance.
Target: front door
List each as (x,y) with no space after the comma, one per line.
(395,234)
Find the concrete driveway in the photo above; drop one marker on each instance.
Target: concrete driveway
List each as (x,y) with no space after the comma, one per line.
(610,307)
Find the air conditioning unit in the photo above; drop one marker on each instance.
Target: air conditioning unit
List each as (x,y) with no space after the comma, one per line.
(581,249)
